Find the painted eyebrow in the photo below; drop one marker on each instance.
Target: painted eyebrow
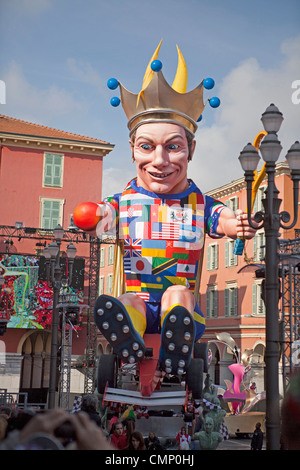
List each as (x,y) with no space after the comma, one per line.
(167,141)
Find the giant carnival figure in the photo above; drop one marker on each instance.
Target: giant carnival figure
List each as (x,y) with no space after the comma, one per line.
(160,219)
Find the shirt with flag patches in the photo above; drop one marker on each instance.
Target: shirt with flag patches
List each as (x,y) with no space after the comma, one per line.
(163,236)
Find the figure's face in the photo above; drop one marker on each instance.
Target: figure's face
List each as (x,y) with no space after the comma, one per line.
(161,155)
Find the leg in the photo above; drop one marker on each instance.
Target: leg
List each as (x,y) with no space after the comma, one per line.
(178,329)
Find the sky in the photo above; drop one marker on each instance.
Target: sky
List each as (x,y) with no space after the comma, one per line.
(57,55)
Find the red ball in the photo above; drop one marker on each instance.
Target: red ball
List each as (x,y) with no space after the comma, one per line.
(85,215)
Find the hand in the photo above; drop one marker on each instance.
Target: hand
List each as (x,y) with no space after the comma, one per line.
(88,435)
(45,422)
(243,229)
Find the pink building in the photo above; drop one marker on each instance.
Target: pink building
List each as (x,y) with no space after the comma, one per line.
(44,174)
(230,293)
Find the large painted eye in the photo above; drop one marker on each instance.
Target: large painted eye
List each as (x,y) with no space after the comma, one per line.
(145,146)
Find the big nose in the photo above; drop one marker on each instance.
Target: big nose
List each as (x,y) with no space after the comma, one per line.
(161,157)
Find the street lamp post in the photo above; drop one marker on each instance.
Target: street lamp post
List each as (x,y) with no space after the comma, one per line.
(271,220)
(54,279)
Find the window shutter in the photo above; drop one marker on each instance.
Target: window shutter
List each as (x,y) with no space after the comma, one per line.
(254,294)
(226,253)
(235,301)
(215,301)
(226,292)
(208,258)
(207,303)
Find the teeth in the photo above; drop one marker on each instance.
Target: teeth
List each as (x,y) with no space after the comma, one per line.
(160,175)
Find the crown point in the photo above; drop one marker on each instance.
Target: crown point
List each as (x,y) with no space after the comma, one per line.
(115,101)
(156,65)
(199,118)
(112,83)
(214,102)
(208,83)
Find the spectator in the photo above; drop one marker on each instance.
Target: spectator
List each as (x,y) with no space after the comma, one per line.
(39,433)
(257,438)
(119,437)
(152,442)
(89,405)
(183,439)
(136,442)
(290,414)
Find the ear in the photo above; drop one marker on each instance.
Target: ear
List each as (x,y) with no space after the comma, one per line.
(192,149)
(132,147)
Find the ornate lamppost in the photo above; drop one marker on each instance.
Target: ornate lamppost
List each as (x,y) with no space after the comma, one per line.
(271,220)
(56,281)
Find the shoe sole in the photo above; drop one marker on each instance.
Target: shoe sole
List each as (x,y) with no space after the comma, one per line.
(177,341)
(113,320)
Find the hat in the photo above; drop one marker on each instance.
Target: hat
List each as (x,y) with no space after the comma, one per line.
(158,101)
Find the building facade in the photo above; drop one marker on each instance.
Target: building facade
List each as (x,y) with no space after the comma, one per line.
(44,174)
(231,292)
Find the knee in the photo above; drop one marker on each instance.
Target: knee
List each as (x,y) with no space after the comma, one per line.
(134,301)
(178,289)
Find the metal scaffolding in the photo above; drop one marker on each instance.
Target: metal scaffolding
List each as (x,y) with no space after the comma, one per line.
(93,268)
(290,312)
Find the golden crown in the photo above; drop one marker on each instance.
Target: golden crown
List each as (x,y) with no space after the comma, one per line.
(158,101)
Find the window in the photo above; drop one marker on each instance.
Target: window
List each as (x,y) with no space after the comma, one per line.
(231,300)
(53,170)
(111,254)
(109,284)
(211,301)
(233,203)
(259,243)
(212,257)
(51,213)
(258,305)
(260,195)
(230,258)
(101,285)
(102,257)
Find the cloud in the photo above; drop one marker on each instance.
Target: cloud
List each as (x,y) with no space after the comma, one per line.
(84,72)
(27,102)
(115,179)
(245,94)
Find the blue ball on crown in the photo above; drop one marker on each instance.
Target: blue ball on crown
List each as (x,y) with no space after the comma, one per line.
(112,83)
(208,83)
(115,101)
(156,65)
(214,102)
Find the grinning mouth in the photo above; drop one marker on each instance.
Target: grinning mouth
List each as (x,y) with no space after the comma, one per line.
(160,175)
